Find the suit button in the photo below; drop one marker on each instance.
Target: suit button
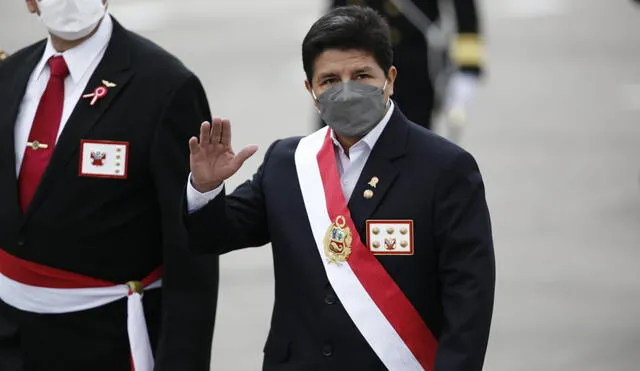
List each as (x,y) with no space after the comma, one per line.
(330,299)
(327,351)
(20,243)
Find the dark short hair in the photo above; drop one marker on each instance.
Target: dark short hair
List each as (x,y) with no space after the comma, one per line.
(348,28)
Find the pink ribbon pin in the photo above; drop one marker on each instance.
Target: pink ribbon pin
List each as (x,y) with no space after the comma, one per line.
(99,93)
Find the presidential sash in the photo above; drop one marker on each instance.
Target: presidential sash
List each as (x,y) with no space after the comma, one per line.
(36,288)
(382,313)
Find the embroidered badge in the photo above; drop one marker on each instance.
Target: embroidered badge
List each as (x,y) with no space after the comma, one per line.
(103,159)
(390,237)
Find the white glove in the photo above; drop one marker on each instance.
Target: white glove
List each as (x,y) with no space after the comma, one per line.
(460,92)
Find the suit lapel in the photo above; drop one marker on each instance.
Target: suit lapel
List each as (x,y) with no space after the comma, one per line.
(10,100)
(115,67)
(383,163)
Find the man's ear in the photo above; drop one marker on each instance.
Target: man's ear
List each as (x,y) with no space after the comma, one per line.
(33,7)
(309,88)
(391,79)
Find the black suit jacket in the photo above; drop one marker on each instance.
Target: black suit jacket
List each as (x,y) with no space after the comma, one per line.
(113,229)
(449,279)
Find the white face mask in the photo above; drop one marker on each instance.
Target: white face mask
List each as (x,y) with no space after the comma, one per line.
(71,19)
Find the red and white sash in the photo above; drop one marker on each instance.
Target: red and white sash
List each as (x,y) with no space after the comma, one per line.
(383,314)
(40,289)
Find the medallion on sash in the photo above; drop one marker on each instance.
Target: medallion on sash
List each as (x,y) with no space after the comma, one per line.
(337,241)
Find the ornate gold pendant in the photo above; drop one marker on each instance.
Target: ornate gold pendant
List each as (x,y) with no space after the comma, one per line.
(337,241)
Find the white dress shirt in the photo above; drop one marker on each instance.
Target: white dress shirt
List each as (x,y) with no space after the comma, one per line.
(82,62)
(350,165)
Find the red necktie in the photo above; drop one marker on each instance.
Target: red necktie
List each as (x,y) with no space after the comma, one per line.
(44,132)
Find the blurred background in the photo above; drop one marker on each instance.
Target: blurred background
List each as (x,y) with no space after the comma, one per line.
(555,129)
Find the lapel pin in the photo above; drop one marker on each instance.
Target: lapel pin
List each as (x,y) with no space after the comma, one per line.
(374,181)
(108,84)
(368,194)
(99,92)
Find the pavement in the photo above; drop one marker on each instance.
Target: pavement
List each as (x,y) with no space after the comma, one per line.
(555,129)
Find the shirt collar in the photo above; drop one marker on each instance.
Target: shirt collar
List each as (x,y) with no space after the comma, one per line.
(372,137)
(79,59)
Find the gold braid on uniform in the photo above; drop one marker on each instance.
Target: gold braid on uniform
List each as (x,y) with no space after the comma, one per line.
(3,55)
(468,50)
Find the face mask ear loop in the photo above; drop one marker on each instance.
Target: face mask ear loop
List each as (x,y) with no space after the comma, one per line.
(384,90)
(315,99)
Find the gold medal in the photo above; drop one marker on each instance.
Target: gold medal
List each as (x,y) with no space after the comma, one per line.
(337,241)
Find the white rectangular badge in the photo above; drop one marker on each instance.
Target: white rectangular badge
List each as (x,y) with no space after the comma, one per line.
(390,237)
(104,159)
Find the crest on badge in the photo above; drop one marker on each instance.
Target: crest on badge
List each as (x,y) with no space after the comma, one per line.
(97,158)
(390,243)
(337,241)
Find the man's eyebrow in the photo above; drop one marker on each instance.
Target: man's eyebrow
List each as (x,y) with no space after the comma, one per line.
(326,74)
(363,69)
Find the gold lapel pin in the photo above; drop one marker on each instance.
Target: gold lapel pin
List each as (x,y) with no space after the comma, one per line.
(374,182)
(35,145)
(368,194)
(108,84)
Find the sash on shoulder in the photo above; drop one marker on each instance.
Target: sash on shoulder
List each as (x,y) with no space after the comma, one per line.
(382,313)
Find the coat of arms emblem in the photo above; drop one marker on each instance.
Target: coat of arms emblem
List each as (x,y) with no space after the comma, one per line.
(97,158)
(337,241)
(390,243)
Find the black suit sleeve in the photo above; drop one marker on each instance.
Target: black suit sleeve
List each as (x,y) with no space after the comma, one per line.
(233,222)
(466,266)
(190,282)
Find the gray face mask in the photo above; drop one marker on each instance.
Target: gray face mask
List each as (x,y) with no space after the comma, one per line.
(352,109)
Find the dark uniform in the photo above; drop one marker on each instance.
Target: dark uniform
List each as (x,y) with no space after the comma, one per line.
(413,90)
(115,230)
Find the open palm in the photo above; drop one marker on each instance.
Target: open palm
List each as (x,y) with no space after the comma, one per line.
(212,159)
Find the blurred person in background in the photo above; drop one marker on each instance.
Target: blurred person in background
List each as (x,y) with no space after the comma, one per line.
(438,78)
(3,55)
(93,126)
(381,235)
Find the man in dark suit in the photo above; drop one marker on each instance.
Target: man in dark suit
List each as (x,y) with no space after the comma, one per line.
(429,87)
(380,230)
(92,167)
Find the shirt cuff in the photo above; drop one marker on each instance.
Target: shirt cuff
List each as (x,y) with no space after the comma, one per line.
(197,200)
